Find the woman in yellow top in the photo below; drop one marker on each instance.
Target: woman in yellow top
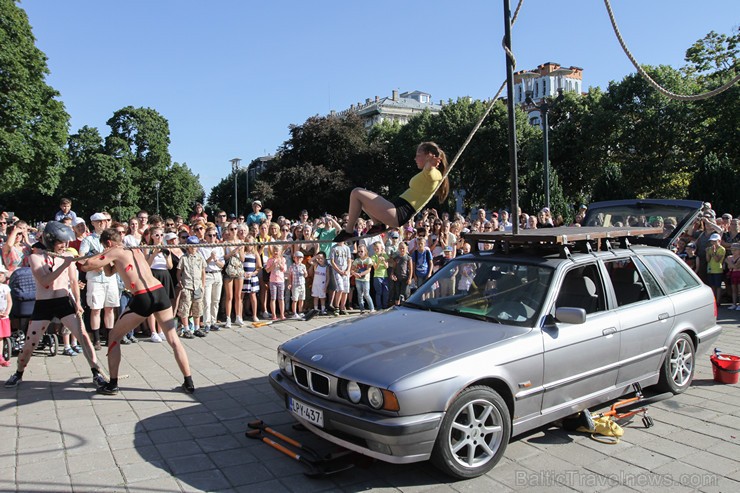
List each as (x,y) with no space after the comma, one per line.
(432,162)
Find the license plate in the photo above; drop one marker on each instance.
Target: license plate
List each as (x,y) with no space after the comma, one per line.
(314,416)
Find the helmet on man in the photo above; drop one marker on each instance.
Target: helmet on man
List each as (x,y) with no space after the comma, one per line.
(54,231)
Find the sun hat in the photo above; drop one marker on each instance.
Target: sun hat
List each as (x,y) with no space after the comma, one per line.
(98,216)
(170,236)
(259,203)
(715,237)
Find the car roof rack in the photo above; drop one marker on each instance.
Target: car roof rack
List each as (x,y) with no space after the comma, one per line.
(562,240)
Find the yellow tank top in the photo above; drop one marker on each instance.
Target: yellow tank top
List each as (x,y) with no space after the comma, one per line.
(421,187)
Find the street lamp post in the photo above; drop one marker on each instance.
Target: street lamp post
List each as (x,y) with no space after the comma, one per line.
(119,206)
(543,107)
(157,185)
(234,168)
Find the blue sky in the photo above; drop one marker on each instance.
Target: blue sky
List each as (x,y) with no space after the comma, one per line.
(230,76)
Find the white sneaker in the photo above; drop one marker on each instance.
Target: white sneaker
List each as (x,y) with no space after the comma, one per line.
(372,311)
(239,321)
(155,337)
(296,316)
(227,325)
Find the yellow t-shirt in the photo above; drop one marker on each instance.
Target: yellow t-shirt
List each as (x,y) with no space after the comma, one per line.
(421,187)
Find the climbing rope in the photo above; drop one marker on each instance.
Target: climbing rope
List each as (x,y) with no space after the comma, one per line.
(472,133)
(658,87)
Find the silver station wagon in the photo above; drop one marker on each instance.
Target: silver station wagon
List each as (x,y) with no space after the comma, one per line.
(529,329)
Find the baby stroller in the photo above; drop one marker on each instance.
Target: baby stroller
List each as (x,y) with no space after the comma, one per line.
(23,294)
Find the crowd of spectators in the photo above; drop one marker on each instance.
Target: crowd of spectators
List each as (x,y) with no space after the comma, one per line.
(226,282)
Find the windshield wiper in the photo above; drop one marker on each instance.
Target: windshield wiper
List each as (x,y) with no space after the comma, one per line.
(411,304)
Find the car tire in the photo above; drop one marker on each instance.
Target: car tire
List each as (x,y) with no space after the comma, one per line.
(677,370)
(474,434)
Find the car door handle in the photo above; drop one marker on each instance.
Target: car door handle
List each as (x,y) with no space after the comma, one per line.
(663,316)
(609,331)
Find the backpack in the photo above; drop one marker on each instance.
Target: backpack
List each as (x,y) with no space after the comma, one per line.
(22,292)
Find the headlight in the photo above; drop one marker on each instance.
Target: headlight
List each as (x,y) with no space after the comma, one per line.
(285,364)
(375,397)
(353,392)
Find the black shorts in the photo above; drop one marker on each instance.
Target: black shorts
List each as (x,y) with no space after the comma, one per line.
(404,210)
(149,301)
(55,307)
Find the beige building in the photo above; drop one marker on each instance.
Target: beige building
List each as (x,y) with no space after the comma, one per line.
(396,108)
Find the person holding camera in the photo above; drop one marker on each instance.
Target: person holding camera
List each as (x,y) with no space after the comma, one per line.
(703,230)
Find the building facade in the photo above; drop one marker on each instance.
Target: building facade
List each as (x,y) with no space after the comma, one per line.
(396,108)
(545,82)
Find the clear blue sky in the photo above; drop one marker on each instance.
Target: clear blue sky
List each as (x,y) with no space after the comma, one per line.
(230,76)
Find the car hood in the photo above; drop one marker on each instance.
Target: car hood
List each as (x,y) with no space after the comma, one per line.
(391,345)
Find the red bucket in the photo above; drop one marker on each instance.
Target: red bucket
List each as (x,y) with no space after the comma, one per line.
(725,368)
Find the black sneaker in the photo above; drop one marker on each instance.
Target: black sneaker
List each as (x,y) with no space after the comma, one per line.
(107,390)
(99,380)
(199,333)
(342,312)
(343,236)
(189,389)
(14,380)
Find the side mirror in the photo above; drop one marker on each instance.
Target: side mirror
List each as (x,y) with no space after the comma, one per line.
(568,315)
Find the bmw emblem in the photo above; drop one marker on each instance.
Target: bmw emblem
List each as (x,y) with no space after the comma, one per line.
(316,357)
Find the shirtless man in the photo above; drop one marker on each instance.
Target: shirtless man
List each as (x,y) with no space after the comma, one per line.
(53,287)
(149,298)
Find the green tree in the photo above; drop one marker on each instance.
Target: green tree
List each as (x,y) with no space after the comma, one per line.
(33,123)
(715,179)
(139,142)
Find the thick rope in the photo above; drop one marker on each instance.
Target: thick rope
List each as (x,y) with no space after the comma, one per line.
(485,114)
(206,245)
(658,87)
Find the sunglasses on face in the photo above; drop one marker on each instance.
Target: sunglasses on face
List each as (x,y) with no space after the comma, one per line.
(157,236)
(199,229)
(169,224)
(233,229)
(184,237)
(286,231)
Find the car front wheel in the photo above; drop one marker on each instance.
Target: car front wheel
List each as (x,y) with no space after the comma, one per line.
(677,371)
(474,434)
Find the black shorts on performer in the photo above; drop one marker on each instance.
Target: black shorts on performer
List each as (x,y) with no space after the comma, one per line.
(404,210)
(149,301)
(54,307)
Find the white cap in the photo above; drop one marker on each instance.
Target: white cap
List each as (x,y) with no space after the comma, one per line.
(98,216)
(715,237)
(78,220)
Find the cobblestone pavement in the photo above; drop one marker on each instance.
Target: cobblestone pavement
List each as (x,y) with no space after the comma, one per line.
(56,434)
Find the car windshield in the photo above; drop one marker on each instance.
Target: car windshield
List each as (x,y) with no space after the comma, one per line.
(492,289)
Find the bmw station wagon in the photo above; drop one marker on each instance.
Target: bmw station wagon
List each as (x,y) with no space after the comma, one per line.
(530,329)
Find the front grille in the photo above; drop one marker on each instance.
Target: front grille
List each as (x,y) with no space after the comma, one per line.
(308,378)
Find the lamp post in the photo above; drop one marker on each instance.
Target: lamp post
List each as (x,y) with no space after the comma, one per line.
(235,168)
(118,196)
(156,186)
(543,107)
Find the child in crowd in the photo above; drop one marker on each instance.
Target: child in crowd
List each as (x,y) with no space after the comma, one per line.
(715,261)
(340,260)
(252,272)
(422,257)
(6,304)
(276,266)
(380,261)
(191,278)
(732,262)
(318,287)
(401,274)
(447,284)
(691,259)
(297,274)
(361,269)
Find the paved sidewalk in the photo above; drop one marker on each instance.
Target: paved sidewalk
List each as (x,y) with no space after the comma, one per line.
(56,434)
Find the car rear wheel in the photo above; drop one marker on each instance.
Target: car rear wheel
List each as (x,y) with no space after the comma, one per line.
(677,371)
(474,434)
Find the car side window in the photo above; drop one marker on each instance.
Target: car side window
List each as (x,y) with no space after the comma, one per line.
(582,287)
(673,273)
(629,286)
(653,287)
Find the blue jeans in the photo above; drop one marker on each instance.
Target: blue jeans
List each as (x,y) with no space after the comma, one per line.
(363,293)
(382,292)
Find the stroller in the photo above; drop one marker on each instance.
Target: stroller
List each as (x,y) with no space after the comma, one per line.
(23,293)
